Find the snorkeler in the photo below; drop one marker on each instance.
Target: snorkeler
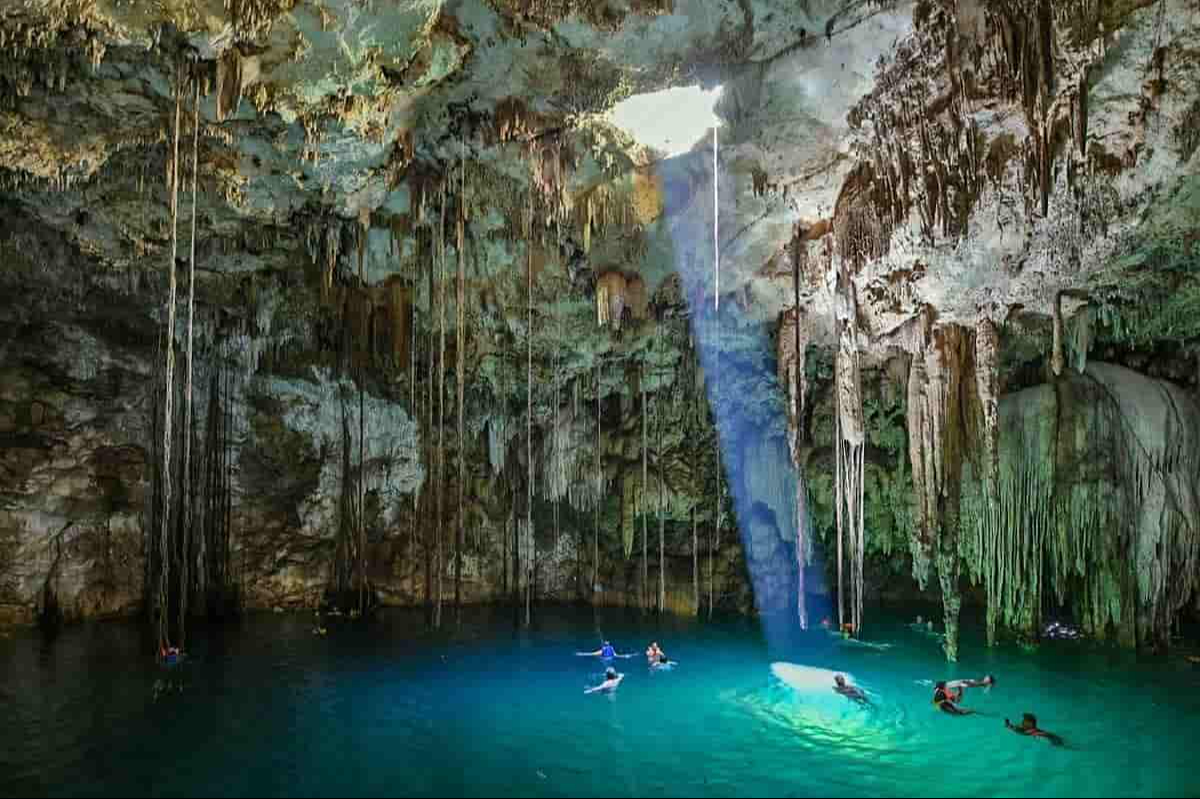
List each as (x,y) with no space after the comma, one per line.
(849,691)
(605,652)
(611,681)
(946,698)
(1028,726)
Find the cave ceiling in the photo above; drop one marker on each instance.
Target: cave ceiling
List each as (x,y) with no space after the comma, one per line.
(972,158)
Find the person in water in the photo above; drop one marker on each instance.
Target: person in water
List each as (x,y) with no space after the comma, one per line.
(653,651)
(611,681)
(1028,726)
(849,691)
(605,652)
(947,699)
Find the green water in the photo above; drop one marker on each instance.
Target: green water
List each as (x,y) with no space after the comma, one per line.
(386,707)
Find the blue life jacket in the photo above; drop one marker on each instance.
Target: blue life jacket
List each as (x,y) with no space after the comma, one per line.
(608,652)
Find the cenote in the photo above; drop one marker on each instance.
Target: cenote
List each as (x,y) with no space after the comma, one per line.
(367,364)
(390,707)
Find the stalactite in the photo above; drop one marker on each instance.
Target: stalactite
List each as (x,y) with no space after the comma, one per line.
(229,83)
(849,463)
(1057,358)
(168,397)
(987,366)
(792,348)
(610,299)
(944,411)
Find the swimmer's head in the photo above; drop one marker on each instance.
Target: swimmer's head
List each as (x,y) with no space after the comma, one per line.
(989,679)
(663,659)
(1028,720)
(920,619)
(839,679)
(940,685)
(610,673)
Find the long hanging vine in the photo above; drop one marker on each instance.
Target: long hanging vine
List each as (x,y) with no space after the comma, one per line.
(645,516)
(460,367)
(412,405)
(441,453)
(168,398)
(662,563)
(187,393)
(599,492)
(529,409)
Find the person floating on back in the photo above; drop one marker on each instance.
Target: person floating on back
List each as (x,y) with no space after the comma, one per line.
(1029,727)
(605,652)
(849,691)
(946,700)
(611,681)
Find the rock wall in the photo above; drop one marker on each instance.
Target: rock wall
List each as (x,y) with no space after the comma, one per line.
(1098,506)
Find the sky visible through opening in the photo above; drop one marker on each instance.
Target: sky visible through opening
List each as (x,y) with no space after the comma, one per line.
(671,120)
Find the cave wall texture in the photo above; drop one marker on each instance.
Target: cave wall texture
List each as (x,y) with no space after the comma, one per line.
(438,297)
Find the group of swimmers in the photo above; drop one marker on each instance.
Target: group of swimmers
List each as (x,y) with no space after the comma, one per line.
(947,697)
(656,659)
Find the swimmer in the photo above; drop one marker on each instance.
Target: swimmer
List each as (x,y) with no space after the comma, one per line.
(653,651)
(987,682)
(849,691)
(611,681)
(605,652)
(946,698)
(1028,726)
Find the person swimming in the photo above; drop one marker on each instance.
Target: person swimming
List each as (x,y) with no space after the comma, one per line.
(605,652)
(849,691)
(653,651)
(1029,727)
(946,700)
(611,681)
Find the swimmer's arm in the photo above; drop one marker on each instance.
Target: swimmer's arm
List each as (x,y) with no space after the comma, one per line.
(595,654)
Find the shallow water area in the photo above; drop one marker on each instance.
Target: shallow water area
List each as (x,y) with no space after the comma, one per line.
(386,706)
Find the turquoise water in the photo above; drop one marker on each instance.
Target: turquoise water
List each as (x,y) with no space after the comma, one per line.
(386,707)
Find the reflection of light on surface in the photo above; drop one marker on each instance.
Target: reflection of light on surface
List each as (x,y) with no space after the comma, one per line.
(807,678)
(671,120)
